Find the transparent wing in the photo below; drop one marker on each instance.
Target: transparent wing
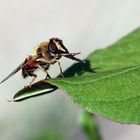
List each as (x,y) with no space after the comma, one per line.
(13,72)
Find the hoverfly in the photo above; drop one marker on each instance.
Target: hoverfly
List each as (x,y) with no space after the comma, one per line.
(44,54)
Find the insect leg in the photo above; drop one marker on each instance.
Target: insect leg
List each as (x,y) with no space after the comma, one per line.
(35,76)
(45,70)
(61,72)
(47,75)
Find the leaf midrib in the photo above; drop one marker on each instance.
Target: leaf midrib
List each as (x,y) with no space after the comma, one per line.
(104,77)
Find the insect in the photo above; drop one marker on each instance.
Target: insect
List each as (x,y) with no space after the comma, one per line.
(44,54)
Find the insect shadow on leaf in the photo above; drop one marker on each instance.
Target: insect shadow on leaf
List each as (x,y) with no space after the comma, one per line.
(79,69)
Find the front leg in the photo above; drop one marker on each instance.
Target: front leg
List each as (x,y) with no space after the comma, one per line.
(61,72)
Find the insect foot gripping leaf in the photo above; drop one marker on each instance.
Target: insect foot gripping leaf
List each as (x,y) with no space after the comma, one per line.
(109,84)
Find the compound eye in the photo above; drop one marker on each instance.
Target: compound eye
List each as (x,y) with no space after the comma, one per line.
(53,48)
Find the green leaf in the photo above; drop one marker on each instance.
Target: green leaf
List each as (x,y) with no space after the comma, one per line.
(109,83)
(38,88)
